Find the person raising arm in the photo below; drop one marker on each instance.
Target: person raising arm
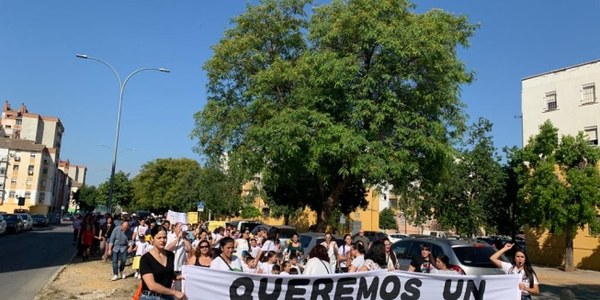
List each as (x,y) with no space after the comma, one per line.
(529,284)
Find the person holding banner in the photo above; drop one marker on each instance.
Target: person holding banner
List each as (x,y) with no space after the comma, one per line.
(157,269)
(529,285)
(318,262)
(358,252)
(226,261)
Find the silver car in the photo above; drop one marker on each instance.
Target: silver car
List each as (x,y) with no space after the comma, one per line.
(471,257)
(2,224)
(27,221)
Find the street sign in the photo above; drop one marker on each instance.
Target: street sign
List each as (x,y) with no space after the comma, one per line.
(342,219)
(200,206)
(21,201)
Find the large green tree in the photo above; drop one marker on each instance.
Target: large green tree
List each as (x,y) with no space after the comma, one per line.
(560,184)
(475,185)
(165,184)
(87,197)
(122,190)
(387,219)
(362,92)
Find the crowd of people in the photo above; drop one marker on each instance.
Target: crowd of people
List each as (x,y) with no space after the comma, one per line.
(160,249)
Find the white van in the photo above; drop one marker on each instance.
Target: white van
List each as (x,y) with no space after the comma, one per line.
(440,234)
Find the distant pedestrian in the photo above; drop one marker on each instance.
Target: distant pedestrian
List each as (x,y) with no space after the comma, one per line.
(120,244)
(529,285)
(362,238)
(105,231)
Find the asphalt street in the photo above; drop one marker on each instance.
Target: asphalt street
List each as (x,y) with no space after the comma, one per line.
(29,259)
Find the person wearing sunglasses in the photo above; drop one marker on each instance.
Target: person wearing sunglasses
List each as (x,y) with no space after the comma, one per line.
(201,255)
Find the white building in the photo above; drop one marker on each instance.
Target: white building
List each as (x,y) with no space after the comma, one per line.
(567,97)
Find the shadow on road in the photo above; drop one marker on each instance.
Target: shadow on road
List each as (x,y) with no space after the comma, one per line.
(579,291)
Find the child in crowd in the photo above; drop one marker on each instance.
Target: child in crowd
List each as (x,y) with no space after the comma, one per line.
(250,265)
(254,248)
(87,239)
(286,266)
(142,245)
(294,271)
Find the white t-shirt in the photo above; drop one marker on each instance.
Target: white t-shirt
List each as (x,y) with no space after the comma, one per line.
(508,268)
(219,264)
(267,268)
(179,250)
(315,266)
(141,248)
(343,251)
(331,249)
(269,245)
(254,251)
(358,262)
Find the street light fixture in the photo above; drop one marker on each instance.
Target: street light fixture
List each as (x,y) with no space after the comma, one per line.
(121,90)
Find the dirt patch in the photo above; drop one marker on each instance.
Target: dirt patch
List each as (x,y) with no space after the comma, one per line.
(89,280)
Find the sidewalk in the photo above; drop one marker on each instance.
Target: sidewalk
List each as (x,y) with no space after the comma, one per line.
(91,280)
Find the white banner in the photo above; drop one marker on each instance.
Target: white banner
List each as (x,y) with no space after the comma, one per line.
(177,217)
(204,283)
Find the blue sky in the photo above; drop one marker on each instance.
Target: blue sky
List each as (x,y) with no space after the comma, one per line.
(39,40)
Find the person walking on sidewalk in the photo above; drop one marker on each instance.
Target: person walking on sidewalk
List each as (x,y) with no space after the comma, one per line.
(119,244)
(529,284)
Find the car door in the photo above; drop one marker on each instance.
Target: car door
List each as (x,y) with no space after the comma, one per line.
(401,249)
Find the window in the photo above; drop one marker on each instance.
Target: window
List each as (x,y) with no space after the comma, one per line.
(27,194)
(592,134)
(551,103)
(45,171)
(15,168)
(11,194)
(32,155)
(588,94)
(30,170)
(19,122)
(2,171)
(29,182)
(13,181)
(8,126)
(595,231)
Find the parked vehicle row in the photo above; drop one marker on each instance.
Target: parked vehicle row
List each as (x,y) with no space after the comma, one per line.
(19,222)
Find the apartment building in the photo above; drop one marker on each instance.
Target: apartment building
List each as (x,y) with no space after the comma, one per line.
(29,153)
(568,98)
(75,173)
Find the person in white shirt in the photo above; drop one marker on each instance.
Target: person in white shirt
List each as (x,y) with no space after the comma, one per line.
(318,262)
(267,267)
(358,252)
(442,266)
(178,244)
(254,248)
(332,249)
(226,261)
(530,284)
(345,253)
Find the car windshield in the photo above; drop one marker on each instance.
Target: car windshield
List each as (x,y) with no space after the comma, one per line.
(11,217)
(286,233)
(38,216)
(474,256)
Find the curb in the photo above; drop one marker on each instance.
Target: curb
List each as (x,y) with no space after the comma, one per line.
(53,277)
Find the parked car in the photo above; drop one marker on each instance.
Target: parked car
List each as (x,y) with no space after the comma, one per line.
(372,235)
(27,221)
(67,217)
(285,232)
(473,258)
(394,237)
(310,239)
(40,220)
(14,223)
(242,225)
(2,224)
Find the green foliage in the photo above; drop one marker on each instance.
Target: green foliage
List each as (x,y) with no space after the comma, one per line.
(222,192)
(250,212)
(360,93)
(122,190)
(475,186)
(87,197)
(165,184)
(560,183)
(387,219)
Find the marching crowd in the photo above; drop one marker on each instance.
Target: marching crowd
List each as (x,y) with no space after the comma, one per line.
(160,249)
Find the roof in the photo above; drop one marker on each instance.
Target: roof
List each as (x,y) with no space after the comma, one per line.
(562,69)
(25,145)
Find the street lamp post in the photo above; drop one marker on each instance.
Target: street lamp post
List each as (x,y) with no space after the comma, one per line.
(121,90)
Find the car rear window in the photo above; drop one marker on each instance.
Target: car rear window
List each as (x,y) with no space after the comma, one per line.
(474,256)
(286,233)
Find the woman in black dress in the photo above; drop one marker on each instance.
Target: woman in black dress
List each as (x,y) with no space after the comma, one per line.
(156,267)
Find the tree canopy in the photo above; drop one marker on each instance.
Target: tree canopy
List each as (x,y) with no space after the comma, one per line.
(122,190)
(560,183)
(387,219)
(323,105)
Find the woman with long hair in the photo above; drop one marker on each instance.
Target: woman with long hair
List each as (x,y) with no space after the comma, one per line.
(332,249)
(390,256)
(157,269)
(318,262)
(375,258)
(225,260)
(201,255)
(529,284)
(105,232)
(442,265)
(294,248)
(345,253)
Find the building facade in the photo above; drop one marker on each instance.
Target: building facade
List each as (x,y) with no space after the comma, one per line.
(30,147)
(568,98)
(76,174)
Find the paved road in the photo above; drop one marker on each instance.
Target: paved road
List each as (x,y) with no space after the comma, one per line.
(29,259)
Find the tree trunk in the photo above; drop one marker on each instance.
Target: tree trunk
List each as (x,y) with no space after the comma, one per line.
(324,214)
(569,267)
